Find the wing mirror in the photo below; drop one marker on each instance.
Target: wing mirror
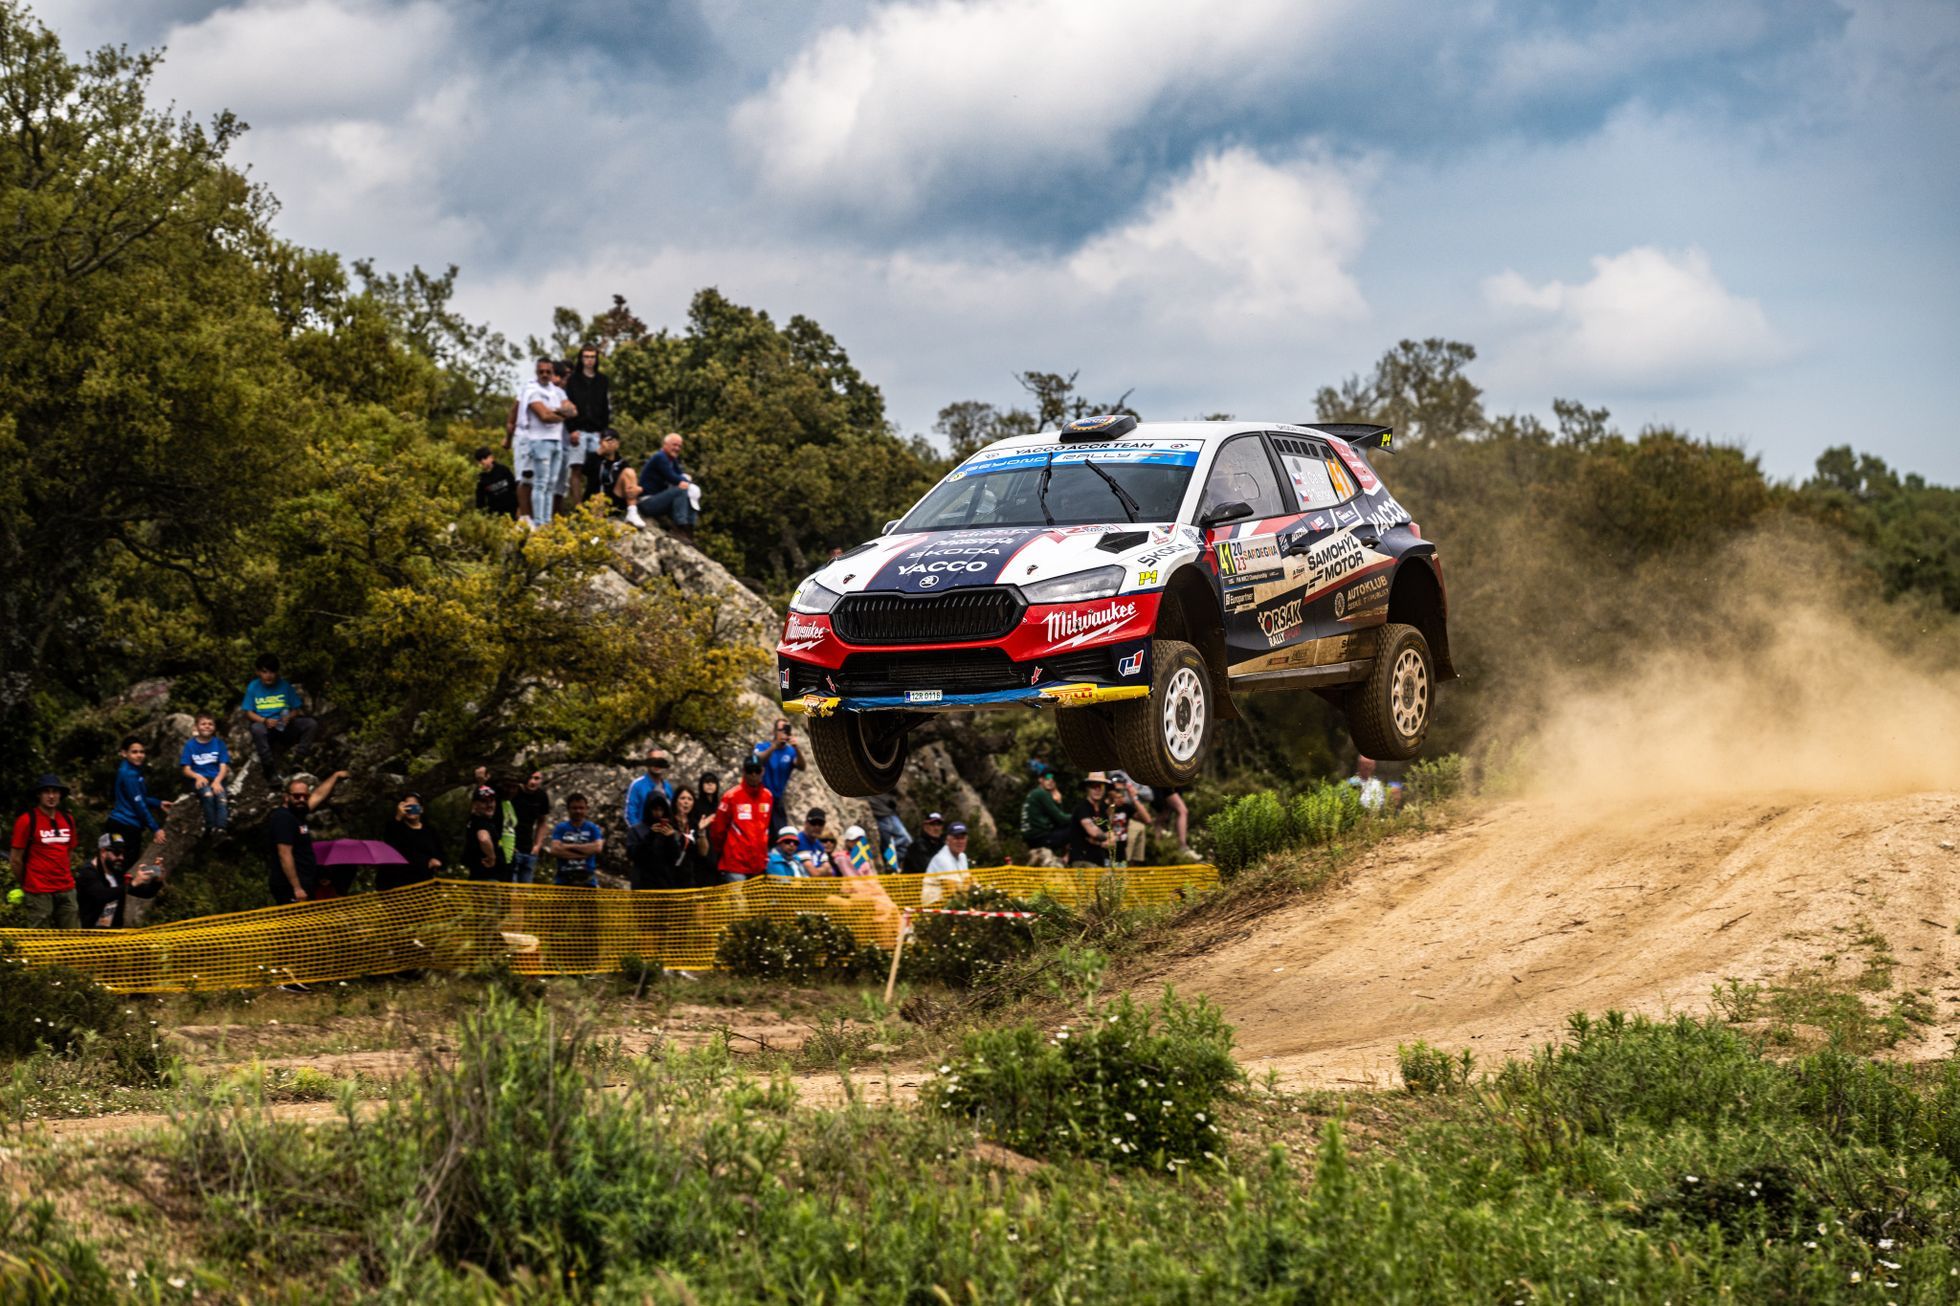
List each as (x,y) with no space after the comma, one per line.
(1224,512)
(888,526)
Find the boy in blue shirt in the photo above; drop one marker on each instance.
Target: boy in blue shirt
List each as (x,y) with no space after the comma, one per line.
(782,858)
(206,763)
(275,710)
(577,843)
(134,813)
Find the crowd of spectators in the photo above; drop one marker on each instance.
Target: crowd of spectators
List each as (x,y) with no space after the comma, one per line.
(672,835)
(564,450)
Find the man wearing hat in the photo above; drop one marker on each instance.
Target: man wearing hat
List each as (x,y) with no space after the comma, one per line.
(931,838)
(782,858)
(740,826)
(41,856)
(809,840)
(1088,844)
(952,857)
(100,884)
(655,781)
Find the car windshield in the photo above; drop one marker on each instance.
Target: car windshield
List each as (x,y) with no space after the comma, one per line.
(1004,487)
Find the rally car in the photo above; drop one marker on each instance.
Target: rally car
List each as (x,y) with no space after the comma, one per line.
(1136,579)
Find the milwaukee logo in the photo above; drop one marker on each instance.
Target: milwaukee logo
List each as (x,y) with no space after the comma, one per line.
(1061,624)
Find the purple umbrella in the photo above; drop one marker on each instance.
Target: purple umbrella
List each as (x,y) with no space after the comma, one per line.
(356,852)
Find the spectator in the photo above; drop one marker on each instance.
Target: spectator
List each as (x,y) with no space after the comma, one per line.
(740,825)
(1173,810)
(531,808)
(809,840)
(134,813)
(292,873)
(952,856)
(483,838)
(42,858)
(779,755)
(926,846)
(577,843)
(206,763)
(496,485)
(691,819)
(1375,796)
(660,856)
(707,796)
(654,781)
(408,834)
(538,444)
(893,838)
(590,391)
(832,860)
(667,489)
(617,480)
(859,857)
(1129,821)
(1089,840)
(100,884)
(276,712)
(783,858)
(1045,822)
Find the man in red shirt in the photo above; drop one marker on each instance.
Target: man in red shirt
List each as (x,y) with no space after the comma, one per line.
(740,826)
(41,856)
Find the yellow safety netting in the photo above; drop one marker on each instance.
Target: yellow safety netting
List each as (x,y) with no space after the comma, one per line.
(540,929)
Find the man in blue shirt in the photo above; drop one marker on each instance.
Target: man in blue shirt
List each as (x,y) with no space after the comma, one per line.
(275,710)
(664,486)
(653,782)
(779,756)
(809,840)
(134,812)
(206,763)
(577,843)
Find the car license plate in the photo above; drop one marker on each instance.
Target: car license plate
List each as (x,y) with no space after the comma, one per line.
(922,695)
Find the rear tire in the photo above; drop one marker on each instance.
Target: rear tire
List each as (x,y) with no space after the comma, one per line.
(1161,740)
(1086,737)
(856,759)
(1388,713)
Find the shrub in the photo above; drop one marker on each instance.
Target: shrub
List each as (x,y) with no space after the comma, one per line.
(960,951)
(1431,1070)
(1124,1083)
(1324,813)
(64,1011)
(1434,779)
(811,946)
(1248,830)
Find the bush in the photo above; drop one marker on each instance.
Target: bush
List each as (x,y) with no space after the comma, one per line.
(1434,779)
(960,951)
(1248,830)
(1325,813)
(1135,1085)
(811,946)
(63,1011)
(1431,1070)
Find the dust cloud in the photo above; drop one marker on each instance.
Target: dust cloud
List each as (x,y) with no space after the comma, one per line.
(1778,671)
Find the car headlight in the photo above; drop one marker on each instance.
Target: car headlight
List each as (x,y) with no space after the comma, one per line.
(1098,583)
(813,599)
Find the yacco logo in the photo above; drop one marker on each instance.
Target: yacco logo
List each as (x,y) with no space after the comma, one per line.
(1281,622)
(1130,665)
(1069,628)
(1388,516)
(954,566)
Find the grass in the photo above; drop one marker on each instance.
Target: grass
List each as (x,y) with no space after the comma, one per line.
(1847,1001)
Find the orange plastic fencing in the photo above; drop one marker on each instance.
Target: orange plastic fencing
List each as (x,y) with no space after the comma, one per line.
(539,929)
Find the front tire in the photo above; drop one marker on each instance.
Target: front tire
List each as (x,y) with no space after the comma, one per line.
(1162,739)
(1388,713)
(855,757)
(1086,738)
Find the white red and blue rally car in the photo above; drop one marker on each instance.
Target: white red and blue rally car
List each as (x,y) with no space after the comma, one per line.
(1137,579)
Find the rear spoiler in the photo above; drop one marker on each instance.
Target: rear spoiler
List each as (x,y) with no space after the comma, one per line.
(1362,435)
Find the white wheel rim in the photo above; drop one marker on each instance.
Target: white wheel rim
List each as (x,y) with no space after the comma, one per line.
(1409,693)
(1184,714)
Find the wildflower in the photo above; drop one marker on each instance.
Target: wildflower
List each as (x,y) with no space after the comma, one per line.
(1885,1244)
(1857,1277)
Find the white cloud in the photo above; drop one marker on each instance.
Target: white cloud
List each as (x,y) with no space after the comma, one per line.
(1648,320)
(876,116)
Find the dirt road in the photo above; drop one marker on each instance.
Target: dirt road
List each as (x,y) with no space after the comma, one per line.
(1489,934)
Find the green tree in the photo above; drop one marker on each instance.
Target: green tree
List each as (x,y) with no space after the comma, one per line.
(1418,387)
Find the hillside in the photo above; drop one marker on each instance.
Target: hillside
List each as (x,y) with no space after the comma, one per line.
(1487,935)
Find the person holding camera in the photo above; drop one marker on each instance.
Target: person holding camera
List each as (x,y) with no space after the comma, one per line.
(418,843)
(779,756)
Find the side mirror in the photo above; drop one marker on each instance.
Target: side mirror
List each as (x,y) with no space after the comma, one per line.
(888,526)
(1224,512)
(1297,542)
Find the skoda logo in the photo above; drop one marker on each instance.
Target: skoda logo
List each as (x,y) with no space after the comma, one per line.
(927,582)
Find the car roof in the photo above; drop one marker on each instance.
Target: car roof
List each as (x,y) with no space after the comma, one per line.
(1200,431)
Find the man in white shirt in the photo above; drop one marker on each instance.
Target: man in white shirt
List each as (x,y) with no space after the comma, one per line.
(538,444)
(946,873)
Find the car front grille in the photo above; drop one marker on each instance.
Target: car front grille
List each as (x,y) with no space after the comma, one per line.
(980,671)
(961,616)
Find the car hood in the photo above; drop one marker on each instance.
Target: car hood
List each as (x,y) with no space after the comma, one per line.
(933,562)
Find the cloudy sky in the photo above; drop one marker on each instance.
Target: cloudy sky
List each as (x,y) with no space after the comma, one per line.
(1738,216)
